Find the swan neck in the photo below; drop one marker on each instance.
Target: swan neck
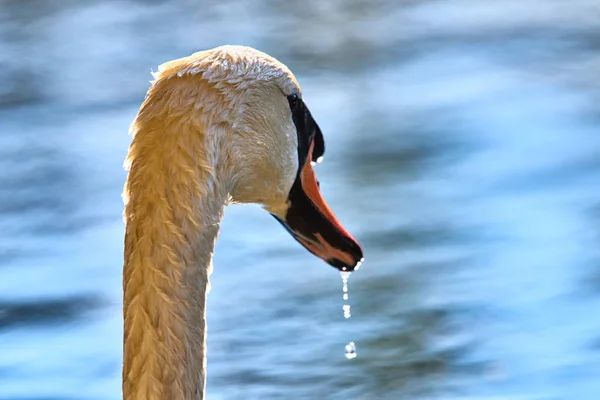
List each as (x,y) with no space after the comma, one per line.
(172,213)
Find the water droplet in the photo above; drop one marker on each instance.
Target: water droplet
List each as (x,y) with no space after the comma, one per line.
(345,276)
(358,264)
(345,296)
(346,308)
(350,351)
(350,347)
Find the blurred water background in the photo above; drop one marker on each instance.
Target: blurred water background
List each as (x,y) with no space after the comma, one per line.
(463,152)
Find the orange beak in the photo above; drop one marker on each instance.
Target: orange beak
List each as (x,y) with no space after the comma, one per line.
(312,223)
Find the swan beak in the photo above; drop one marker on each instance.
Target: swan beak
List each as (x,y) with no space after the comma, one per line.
(312,223)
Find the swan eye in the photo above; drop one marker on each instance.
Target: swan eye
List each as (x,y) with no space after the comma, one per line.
(293,100)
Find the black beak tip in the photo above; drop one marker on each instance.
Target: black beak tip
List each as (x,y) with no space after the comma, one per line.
(344,266)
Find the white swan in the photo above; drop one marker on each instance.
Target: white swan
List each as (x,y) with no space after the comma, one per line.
(224,125)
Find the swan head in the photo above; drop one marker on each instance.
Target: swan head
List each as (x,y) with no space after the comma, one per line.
(263,141)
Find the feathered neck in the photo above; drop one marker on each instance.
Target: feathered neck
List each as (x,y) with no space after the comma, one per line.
(173,206)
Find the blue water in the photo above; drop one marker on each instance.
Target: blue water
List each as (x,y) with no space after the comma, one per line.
(463,153)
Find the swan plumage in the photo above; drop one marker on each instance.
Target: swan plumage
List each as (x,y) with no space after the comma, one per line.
(220,126)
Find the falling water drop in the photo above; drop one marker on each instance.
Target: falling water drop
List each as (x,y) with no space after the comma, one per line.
(350,351)
(345,295)
(350,347)
(346,308)
(345,275)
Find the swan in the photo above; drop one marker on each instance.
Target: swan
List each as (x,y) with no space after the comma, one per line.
(226,125)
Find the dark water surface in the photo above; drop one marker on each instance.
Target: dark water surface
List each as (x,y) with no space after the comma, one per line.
(463,152)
